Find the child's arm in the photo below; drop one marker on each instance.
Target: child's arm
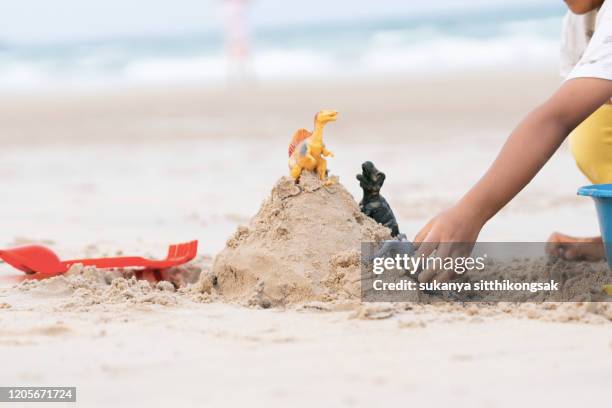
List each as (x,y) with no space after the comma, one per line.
(527,149)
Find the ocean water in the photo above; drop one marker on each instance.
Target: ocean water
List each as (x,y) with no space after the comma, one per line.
(524,37)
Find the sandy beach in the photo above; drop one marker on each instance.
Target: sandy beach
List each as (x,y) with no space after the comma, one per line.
(133,170)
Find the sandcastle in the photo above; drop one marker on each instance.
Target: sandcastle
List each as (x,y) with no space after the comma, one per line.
(302,245)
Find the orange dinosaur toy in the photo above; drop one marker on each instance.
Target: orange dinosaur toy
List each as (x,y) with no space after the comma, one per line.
(306,150)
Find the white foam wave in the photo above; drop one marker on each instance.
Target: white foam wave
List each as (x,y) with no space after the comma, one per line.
(420,50)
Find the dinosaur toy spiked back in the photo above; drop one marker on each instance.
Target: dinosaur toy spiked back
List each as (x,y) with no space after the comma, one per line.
(307,150)
(300,135)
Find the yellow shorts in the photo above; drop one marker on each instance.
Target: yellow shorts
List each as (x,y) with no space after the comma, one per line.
(591,145)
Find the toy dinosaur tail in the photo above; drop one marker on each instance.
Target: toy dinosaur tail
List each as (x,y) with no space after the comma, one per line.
(298,137)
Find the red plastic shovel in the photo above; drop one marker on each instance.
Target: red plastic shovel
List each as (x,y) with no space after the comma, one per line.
(40,262)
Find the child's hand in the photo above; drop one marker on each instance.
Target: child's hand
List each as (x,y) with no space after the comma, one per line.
(452,233)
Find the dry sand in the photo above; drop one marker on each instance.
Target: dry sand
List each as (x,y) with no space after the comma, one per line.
(91,186)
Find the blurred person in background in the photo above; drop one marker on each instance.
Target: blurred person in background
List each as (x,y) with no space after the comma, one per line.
(237,39)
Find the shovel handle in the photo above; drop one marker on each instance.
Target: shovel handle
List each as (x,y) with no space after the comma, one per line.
(117,262)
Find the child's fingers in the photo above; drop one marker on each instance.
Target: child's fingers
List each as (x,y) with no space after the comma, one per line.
(446,276)
(443,251)
(425,249)
(420,236)
(440,276)
(427,275)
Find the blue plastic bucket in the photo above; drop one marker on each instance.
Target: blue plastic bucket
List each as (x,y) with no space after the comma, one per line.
(602,194)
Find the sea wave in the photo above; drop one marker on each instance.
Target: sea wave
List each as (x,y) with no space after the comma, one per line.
(370,51)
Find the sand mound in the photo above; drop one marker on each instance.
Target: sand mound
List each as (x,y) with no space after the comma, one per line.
(303,245)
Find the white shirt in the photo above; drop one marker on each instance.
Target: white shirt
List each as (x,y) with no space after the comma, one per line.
(586,45)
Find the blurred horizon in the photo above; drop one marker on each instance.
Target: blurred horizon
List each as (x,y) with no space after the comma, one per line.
(67,21)
(70,43)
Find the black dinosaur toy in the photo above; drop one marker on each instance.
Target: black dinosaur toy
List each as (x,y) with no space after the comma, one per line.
(373,204)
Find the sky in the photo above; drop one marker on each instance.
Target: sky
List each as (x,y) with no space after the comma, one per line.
(49,21)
